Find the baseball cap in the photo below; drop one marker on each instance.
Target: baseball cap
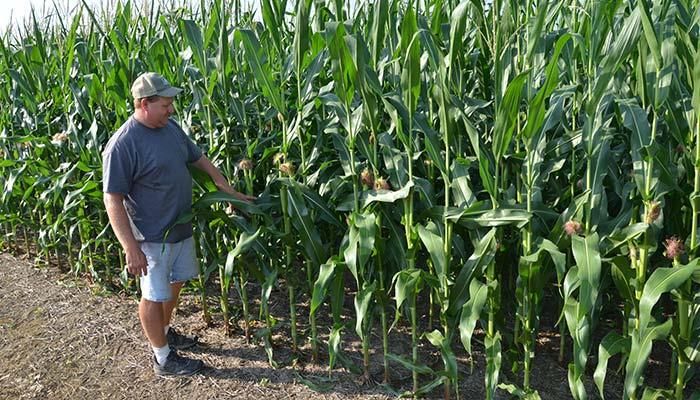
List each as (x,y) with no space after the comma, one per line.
(152,84)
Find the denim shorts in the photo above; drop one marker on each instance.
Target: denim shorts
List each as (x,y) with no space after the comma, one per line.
(167,263)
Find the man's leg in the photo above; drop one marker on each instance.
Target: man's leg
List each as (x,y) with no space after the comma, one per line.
(151,316)
(185,267)
(155,292)
(175,339)
(169,306)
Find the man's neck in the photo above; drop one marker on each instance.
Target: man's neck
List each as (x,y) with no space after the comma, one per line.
(140,117)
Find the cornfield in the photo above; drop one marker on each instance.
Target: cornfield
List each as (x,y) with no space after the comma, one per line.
(450,165)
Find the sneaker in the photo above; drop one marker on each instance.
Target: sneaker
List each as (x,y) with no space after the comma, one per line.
(178,341)
(177,365)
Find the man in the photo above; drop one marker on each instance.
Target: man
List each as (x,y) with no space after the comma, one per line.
(147,186)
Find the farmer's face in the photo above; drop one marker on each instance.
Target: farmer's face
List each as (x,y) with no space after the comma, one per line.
(159,111)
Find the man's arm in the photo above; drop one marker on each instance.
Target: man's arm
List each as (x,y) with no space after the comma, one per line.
(135,259)
(221,183)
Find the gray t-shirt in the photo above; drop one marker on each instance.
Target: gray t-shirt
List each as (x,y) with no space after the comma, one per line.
(149,167)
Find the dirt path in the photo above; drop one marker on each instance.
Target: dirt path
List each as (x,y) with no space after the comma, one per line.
(58,340)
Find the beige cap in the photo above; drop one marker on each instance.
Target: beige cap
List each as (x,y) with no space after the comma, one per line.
(151,84)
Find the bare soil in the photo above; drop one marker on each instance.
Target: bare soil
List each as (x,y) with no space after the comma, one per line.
(61,337)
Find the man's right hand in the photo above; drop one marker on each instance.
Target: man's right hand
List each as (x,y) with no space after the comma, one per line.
(136,262)
(135,259)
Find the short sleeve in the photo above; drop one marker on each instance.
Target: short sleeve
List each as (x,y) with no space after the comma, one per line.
(117,169)
(194,153)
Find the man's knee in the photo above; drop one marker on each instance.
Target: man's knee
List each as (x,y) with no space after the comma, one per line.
(148,305)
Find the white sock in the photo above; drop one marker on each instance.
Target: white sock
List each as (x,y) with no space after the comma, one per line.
(161,354)
(166,329)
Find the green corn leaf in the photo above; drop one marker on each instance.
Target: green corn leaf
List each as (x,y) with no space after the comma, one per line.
(218,26)
(696,84)
(311,242)
(398,111)
(340,143)
(433,244)
(202,180)
(458,25)
(407,284)
(301,35)
(493,362)
(420,368)
(463,196)
(311,73)
(273,16)
(662,83)
(537,106)
(506,115)
(244,242)
(625,42)
(214,265)
(216,197)
(69,46)
(260,67)
(576,386)
(363,299)
(620,237)
(429,387)
(334,349)
(393,238)
(324,212)
(571,281)
(438,17)
(611,345)
(483,255)
(535,31)
(193,35)
(650,33)
(498,217)
(344,68)
(640,350)
(410,56)
(266,288)
(380,17)
(588,261)
(471,312)
(515,391)
(436,58)
(669,55)
(486,173)
(324,279)
(368,85)
(432,146)
(361,235)
(662,280)
(317,384)
(267,344)
(448,357)
(386,196)
(635,119)
(623,276)
(656,394)
(547,247)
